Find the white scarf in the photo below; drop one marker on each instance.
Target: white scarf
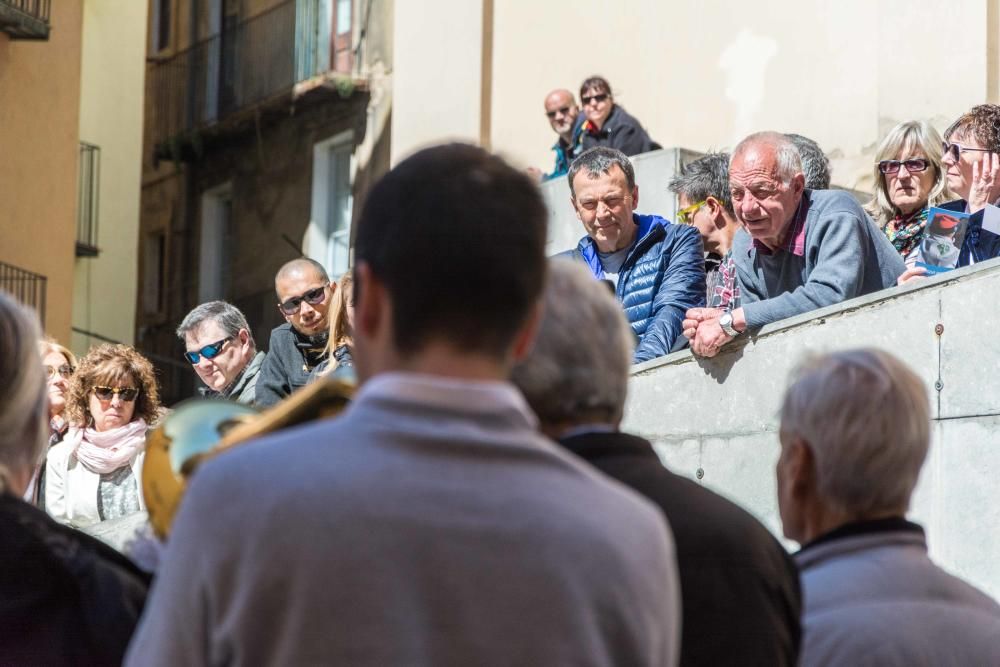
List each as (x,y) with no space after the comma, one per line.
(106,451)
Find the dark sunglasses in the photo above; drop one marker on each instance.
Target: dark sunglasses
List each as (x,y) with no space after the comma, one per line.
(913,165)
(955,150)
(65,371)
(210,351)
(313,297)
(127,394)
(552,114)
(594,98)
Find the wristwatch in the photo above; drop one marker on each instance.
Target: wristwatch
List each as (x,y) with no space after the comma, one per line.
(726,322)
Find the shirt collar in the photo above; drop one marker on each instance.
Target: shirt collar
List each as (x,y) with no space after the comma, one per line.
(795,238)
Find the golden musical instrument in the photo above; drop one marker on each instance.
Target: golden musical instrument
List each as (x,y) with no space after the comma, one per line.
(200,429)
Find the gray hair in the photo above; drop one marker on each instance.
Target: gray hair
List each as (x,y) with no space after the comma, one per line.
(708,176)
(23,404)
(578,369)
(788,159)
(866,418)
(226,315)
(815,164)
(901,142)
(599,160)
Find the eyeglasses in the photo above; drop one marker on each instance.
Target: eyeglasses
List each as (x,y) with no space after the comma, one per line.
(955,150)
(587,99)
(686,215)
(210,351)
(127,394)
(552,114)
(313,297)
(65,371)
(913,165)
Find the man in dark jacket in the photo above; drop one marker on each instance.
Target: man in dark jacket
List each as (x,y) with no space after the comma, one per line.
(739,588)
(657,268)
(304,291)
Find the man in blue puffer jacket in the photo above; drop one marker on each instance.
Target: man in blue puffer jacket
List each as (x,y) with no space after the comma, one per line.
(657,268)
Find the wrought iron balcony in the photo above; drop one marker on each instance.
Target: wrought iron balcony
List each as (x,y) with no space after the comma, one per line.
(88,200)
(25,286)
(25,19)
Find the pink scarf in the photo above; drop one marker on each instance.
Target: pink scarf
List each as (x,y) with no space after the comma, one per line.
(107,451)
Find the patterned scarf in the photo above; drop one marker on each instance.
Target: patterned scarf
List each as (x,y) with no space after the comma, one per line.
(904,232)
(106,451)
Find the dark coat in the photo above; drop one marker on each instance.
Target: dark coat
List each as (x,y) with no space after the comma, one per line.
(663,276)
(65,597)
(622,131)
(979,244)
(289,361)
(740,591)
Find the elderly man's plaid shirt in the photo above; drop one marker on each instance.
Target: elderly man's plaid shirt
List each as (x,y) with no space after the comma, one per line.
(723,290)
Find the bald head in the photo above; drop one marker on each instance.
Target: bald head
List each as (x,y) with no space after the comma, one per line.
(304,290)
(303,267)
(561,109)
(771,146)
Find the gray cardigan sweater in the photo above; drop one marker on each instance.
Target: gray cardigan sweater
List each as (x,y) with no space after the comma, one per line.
(846,256)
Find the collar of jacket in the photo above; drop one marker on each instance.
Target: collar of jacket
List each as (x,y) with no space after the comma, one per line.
(652,228)
(860,536)
(610,123)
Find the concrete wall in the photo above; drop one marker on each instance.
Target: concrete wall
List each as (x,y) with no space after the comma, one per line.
(716,420)
(112,84)
(697,74)
(39,133)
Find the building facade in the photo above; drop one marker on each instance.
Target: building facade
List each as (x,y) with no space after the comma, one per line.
(40,43)
(264,121)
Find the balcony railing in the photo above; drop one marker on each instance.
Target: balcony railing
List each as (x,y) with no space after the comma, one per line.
(25,286)
(88,200)
(25,19)
(240,66)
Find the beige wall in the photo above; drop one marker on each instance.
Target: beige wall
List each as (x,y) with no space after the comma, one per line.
(39,128)
(699,75)
(112,73)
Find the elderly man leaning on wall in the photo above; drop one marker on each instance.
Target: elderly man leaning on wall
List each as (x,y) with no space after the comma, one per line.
(739,587)
(798,250)
(855,429)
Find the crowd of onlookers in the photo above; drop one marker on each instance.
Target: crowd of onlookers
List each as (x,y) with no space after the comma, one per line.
(477,503)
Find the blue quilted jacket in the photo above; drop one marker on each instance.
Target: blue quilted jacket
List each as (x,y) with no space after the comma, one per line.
(663,276)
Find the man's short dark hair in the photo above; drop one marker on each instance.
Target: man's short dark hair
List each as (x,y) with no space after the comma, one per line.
(815,164)
(599,160)
(708,176)
(458,237)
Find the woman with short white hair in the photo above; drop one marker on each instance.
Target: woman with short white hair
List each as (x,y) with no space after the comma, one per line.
(855,430)
(65,598)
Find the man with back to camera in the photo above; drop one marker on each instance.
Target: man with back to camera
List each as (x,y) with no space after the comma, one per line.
(304,291)
(855,430)
(657,268)
(798,249)
(429,524)
(221,349)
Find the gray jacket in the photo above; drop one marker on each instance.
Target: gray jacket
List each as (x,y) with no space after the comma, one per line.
(846,256)
(873,597)
(244,389)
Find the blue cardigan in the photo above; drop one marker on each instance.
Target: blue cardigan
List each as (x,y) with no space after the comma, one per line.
(663,275)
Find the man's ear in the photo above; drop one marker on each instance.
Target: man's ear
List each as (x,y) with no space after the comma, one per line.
(801,468)
(244,337)
(799,183)
(525,339)
(635,197)
(370,295)
(717,211)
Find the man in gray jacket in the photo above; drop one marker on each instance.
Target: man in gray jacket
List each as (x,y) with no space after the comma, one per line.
(799,249)
(429,524)
(855,428)
(221,349)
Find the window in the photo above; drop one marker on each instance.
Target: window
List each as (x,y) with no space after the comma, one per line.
(328,239)
(341,56)
(88,198)
(215,257)
(162,10)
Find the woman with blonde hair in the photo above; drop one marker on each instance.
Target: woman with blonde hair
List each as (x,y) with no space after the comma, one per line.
(340,344)
(909,179)
(94,474)
(59,364)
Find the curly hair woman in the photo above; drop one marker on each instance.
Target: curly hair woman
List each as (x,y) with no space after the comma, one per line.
(93,475)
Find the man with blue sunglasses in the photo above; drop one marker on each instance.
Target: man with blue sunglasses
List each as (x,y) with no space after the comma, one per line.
(221,349)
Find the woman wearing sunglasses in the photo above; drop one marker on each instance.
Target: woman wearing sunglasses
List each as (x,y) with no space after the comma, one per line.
(607,123)
(94,474)
(909,178)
